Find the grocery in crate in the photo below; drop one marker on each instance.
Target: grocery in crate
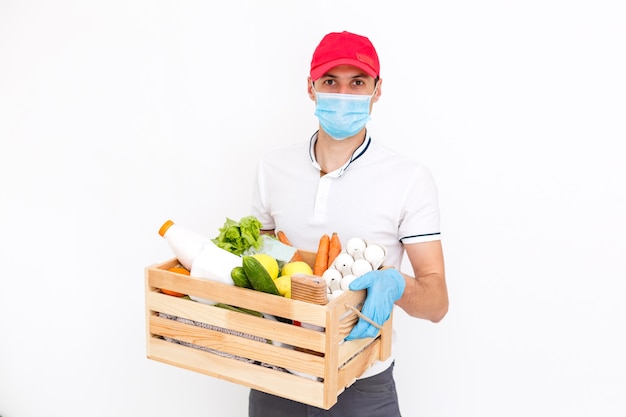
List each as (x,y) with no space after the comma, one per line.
(251,309)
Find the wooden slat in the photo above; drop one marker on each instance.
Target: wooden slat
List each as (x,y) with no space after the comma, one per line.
(274,382)
(385,338)
(358,364)
(240,322)
(333,314)
(241,297)
(241,346)
(348,349)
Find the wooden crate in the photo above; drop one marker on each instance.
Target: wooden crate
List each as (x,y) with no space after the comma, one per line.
(308,366)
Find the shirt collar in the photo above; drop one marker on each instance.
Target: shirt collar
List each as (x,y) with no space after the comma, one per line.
(355,155)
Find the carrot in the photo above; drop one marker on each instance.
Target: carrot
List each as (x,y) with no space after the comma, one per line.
(282,238)
(321,259)
(334,248)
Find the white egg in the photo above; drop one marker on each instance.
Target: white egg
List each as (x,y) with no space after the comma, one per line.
(375,254)
(331,275)
(360,267)
(345,282)
(355,247)
(343,263)
(334,284)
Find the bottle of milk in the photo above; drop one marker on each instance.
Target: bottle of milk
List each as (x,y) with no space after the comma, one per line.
(199,255)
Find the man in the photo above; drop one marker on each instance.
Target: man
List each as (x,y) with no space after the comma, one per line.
(343,181)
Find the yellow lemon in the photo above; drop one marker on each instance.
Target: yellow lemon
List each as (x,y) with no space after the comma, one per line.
(270,264)
(283,283)
(296,267)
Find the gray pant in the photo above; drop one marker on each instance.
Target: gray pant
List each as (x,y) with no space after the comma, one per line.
(375,396)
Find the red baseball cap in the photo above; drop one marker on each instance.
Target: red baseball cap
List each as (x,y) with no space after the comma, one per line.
(338,48)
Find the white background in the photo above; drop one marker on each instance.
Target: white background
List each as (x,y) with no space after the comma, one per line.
(116,116)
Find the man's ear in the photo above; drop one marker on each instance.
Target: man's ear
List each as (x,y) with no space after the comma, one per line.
(309,88)
(379,90)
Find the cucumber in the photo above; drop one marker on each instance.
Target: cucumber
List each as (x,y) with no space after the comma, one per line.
(257,275)
(240,278)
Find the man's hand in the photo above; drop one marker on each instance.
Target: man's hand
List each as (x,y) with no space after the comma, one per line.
(384,288)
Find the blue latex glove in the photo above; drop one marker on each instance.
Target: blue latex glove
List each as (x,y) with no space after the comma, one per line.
(384,288)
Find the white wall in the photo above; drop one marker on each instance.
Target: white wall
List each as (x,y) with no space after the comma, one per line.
(118,115)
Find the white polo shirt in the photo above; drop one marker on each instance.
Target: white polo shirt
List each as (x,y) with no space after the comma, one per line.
(379,195)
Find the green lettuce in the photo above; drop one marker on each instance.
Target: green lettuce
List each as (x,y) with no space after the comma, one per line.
(238,237)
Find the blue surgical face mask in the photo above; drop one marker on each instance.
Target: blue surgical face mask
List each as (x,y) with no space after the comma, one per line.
(342,115)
